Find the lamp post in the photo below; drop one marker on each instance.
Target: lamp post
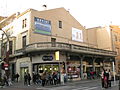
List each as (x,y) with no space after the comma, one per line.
(6,58)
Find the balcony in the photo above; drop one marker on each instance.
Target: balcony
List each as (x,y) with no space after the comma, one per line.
(46,46)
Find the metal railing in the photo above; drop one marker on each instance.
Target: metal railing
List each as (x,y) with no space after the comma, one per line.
(65,47)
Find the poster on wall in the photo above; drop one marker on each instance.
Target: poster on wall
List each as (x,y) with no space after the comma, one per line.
(77,35)
(42,26)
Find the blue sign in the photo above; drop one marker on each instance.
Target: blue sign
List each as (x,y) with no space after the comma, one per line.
(47,58)
(42,26)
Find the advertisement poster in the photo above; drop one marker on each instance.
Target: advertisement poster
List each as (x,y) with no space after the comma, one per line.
(42,26)
(77,35)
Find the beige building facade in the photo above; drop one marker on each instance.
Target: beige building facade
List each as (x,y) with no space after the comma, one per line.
(37,35)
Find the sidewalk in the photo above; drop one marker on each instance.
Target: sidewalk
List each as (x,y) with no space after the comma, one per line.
(21,84)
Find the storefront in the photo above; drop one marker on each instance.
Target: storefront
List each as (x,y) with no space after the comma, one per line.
(73,69)
(46,67)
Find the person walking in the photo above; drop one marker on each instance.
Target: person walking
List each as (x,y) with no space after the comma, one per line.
(5,79)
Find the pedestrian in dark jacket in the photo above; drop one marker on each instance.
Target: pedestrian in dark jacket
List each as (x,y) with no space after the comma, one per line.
(25,78)
(17,77)
(28,78)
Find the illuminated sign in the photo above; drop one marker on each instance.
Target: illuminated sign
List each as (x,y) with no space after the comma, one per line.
(57,54)
(47,58)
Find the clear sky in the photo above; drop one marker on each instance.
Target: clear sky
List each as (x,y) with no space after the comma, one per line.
(89,13)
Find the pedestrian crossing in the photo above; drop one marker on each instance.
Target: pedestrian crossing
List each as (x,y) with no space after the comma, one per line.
(70,88)
(75,87)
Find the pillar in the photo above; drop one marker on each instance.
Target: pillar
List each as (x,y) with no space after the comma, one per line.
(81,67)
(94,64)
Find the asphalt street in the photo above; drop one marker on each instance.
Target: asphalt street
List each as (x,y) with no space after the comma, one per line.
(79,85)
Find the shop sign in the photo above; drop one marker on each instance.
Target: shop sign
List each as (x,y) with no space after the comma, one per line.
(47,58)
(24,64)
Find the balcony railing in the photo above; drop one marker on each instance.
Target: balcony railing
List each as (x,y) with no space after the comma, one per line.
(42,46)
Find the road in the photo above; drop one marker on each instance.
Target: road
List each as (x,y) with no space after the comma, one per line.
(79,85)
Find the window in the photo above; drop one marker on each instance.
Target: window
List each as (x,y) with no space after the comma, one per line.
(24,41)
(10,47)
(53,40)
(60,24)
(115,38)
(24,23)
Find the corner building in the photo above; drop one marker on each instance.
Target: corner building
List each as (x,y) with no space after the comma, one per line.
(37,35)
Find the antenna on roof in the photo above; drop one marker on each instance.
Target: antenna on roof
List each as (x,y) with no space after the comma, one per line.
(44,6)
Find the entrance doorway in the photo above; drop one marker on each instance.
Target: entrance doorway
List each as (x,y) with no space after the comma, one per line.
(22,72)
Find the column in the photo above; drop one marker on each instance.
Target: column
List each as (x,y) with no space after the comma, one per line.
(81,67)
(94,64)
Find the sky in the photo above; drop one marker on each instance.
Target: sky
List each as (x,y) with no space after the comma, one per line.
(90,13)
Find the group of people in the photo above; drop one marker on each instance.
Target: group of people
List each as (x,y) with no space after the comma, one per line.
(106,77)
(46,78)
(27,79)
(7,80)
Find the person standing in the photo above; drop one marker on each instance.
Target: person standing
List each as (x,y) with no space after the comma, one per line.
(9,81)
(43,78)
(106,77)
(109,79)
(25,78)
(102,78)
(17,77)
(28,78)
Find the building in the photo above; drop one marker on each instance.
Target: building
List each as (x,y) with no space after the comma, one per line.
(110,40)
(115,29)
(53,40)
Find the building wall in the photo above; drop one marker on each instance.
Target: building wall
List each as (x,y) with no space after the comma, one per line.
(104,38)
(61,35)
(19,32)
(116,42)
(92,37)
(100,37)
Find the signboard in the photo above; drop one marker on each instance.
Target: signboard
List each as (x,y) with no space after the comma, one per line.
(57,54)
(42,26)
(77,35)
(47,58)
(24,64)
